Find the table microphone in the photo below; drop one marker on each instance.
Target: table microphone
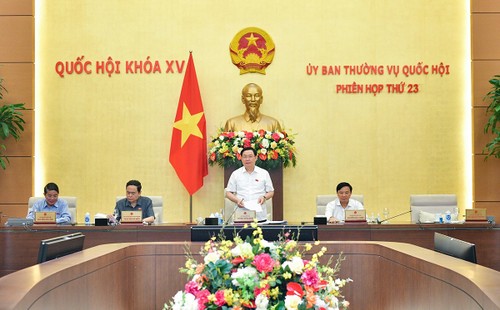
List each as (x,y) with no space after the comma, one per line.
(230,216)
(390,218)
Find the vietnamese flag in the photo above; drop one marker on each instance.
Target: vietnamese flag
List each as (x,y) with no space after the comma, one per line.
(188,149)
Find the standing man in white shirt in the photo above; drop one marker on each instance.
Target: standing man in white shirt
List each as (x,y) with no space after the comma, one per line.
(335,210)
(250,183)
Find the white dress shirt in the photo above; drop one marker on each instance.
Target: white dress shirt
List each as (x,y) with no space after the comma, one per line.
(335,209)
(251,186)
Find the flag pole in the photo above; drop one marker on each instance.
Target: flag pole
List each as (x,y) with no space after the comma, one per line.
(190,208)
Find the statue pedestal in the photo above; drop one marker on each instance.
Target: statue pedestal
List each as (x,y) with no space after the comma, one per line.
(277,178)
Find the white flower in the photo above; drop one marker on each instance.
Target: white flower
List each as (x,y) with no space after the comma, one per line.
(265,143)
(263,151)
(211,257)
(184,301)
(247,273)
(243,249)
(240,134)
(292,302)
(261,302)
(334,303)
(296,265)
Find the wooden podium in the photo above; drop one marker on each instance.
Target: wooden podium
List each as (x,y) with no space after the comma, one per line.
(277,178)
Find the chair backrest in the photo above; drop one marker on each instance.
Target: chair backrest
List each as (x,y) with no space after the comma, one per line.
(71,200)
(432,203)
(323,200)
(229,207)
(157,207)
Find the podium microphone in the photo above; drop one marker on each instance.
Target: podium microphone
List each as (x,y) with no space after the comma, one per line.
(390,218)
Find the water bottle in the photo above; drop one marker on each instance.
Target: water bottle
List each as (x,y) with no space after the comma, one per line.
(447,217)
(455,214)
(87,219)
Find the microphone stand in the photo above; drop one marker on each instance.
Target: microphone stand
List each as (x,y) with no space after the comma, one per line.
(390,218)
(230,216)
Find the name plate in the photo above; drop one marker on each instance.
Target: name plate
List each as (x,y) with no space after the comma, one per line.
(131,217)
(475,214)
(355,215)
(243,216)
(44,217)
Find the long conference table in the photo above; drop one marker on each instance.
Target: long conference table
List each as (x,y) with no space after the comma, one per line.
(19,245)
(145,275)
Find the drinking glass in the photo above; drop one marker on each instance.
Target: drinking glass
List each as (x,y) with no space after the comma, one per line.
(386,213)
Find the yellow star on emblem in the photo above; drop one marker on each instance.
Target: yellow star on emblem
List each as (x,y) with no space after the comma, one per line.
(188,124)
(252,40)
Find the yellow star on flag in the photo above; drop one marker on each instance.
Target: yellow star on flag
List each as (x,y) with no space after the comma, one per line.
(188,124)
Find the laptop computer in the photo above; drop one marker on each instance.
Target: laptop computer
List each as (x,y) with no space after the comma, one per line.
(45,217)
(131,217)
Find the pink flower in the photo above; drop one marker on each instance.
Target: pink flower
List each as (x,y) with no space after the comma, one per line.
(219,298)
(202,297)
(275,136)
(229,134)
(191,287)
(310,277)
(263,262)
(249,135)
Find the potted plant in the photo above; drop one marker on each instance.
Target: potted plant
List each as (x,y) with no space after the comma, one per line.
(493,125)
(11,124)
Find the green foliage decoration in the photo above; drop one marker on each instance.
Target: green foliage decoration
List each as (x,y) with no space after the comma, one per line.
(11,124)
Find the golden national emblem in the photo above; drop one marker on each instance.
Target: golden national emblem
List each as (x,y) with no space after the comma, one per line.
(252,50)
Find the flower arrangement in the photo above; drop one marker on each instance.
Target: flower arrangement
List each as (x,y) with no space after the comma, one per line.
(257,274)
(273,148)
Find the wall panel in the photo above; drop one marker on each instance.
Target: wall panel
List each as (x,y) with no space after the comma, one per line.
(492,208)
(16,181)
(487,187)
(485,6)
(485,42)
(16,7)
(12,210)
(19,82)
(17,33)
(17,57)
(485,36)
(482,72)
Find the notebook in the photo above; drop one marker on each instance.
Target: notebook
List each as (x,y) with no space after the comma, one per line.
(45,217)
(131,217)
(355,216)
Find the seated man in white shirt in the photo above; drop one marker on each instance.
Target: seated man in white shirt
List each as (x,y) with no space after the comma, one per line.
(335,210)
(250,183)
